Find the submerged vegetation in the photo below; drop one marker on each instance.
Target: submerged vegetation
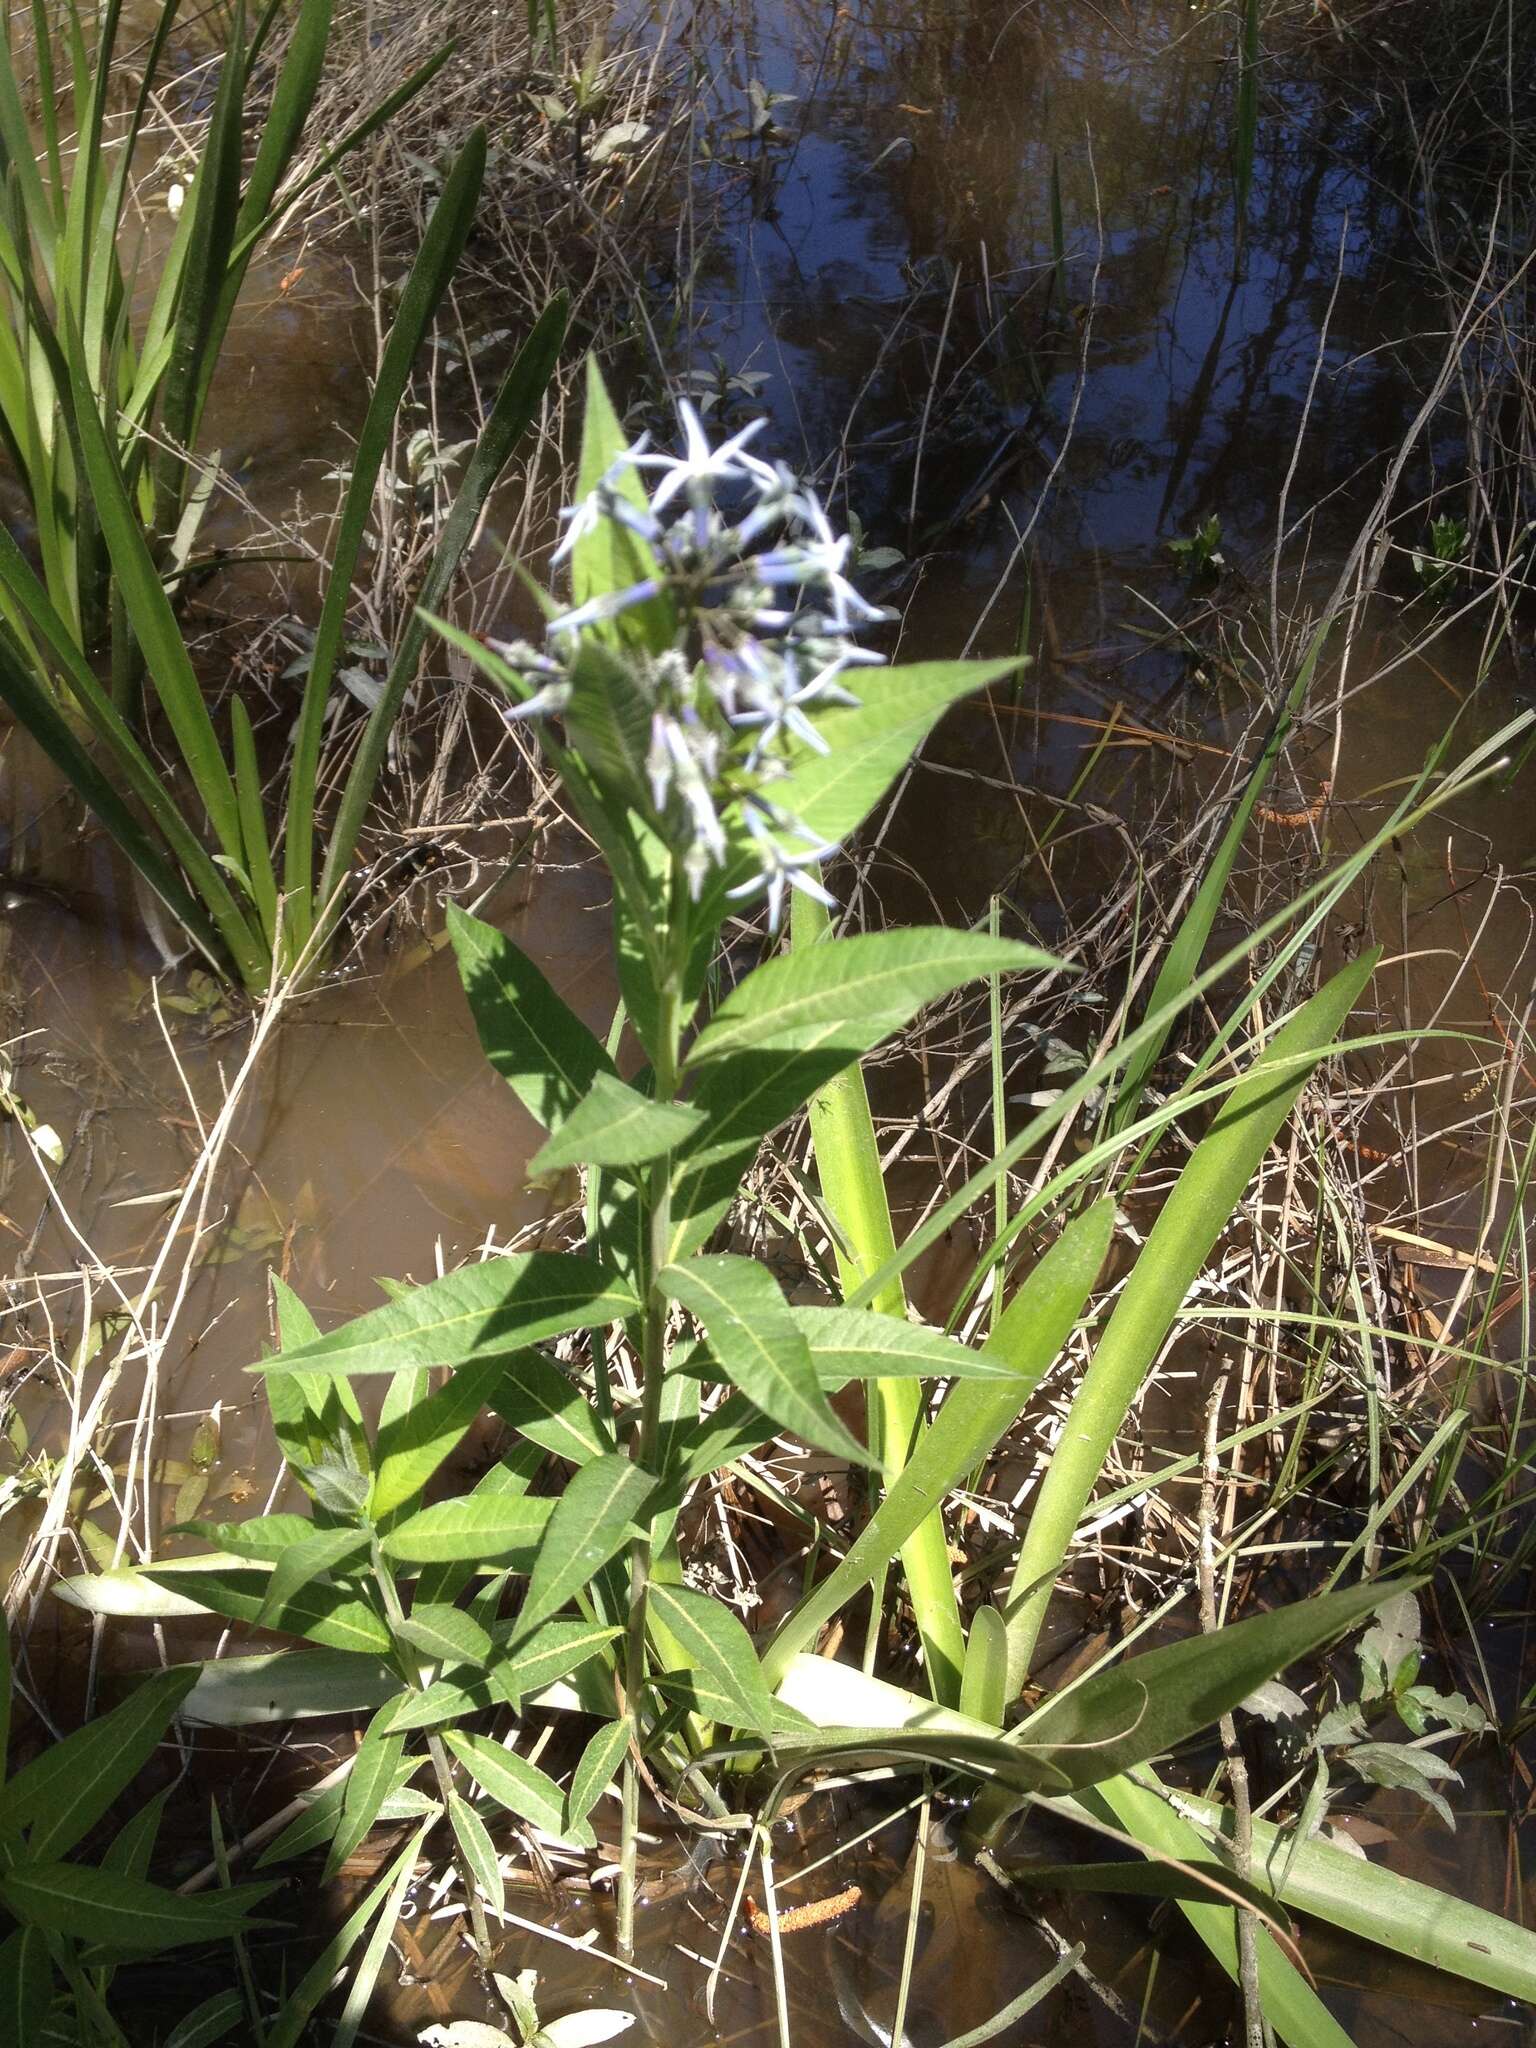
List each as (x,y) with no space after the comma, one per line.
(946,1386)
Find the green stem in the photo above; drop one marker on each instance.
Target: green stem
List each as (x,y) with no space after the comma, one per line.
(653,1366)
(442,1768)
(848,1166)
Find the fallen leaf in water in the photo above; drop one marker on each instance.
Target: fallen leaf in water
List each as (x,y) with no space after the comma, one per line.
(584,2029)
(465,2034)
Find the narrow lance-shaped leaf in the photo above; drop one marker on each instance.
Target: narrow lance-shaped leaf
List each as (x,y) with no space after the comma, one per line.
(593,1520)
(492,1529)
(535,1398)
(320,1611)
(596,1769)
(853,991)
(533,1039)
(1193,1217)
(215,200)
(301,1563)
(759,1345)
(868,744)
(446,1635)
(373,1778)
(860,1344)
(408,1448)
(212,2021)
(713,1641)
(473,1838)
(521,1787)
(100,1906)
(26,1984)
(61,1794)
(610,557)
(554,1651)
(1030,1335)
(482,1311)
(615,1125)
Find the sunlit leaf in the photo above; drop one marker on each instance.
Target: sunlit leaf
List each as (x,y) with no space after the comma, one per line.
(446,1634)
(373,1777)
(319,1554)
(324,1613)
(615,1125)
(482,1311)
(409,1447)
(514,1783)
(758,1344)
(502,1529)
(597,1767)
(474,1839)
(535,1398)
(850,993)
(713,1641)
(593,1520)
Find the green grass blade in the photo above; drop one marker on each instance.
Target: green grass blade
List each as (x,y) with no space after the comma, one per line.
(1291,2006)
(441,246)
(1182,960)
(72,282)
(18,157)
(517,405)
(1204,1199)
(31,704)
(1029,1336)
(20,590)
(154,622)
(293,97)
(848,1165)
(370,123)
(215,204)
(288,2028)
(253,822)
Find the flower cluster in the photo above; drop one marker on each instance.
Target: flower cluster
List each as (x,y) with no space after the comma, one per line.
(757,581)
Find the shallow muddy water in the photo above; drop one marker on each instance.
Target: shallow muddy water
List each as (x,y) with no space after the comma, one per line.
(1029,414)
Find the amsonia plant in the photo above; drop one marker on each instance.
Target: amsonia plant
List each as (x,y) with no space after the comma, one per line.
(719,731)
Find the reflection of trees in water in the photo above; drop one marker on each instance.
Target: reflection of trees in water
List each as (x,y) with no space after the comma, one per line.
(1195,380)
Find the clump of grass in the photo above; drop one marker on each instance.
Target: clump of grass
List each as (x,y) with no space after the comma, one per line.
(107,513)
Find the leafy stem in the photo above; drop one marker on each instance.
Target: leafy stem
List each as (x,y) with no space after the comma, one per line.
(653,1366)
(442,1769)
